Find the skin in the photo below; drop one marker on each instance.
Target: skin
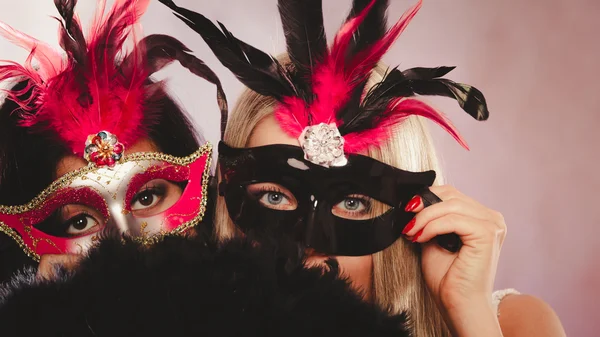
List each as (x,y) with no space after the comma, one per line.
(460,283)
(68,164)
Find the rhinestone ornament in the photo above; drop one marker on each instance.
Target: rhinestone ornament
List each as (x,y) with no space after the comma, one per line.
(323,145)
(103,149)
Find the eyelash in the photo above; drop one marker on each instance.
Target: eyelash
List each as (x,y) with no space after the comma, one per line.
(366,201)
(269,189)
(67,222)
(155,190)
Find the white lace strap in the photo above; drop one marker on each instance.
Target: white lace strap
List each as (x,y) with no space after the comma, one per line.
(499,295)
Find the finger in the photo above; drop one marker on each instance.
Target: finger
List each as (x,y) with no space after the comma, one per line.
(50,262)
(469,229)
(423,199)
(452,206)
(434,195)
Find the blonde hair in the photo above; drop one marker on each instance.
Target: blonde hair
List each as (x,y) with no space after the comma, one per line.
(397,279)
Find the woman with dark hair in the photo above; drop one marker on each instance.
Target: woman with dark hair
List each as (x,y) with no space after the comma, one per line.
(91,145)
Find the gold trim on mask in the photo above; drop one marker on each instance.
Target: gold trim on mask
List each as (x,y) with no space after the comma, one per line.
(68,178)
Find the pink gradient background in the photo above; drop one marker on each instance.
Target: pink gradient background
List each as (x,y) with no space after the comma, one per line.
(535,160)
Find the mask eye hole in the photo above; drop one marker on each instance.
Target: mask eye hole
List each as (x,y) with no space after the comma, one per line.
(273,196)
(359,207)
(155,196)
(73,220)
(81,224)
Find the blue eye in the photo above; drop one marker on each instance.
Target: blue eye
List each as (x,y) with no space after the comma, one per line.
(353,204)
(275,198)
(354,207)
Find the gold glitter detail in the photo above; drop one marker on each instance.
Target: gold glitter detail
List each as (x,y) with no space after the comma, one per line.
(181,229)
(68,178)
(15,236)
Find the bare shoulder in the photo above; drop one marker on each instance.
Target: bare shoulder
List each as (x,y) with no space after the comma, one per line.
(525,315)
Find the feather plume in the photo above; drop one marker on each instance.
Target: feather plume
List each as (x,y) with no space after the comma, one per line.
(306,41)
(393,85)
(421,81)
(338,76)
(95,96)
(293,115)
(92,90)
(72,39)
(371,30)
(383,127)
(256,69)
(50,61)
(366,59)
(161,50)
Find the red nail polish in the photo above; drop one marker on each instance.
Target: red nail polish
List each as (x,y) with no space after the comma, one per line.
(417,236)
(409,226)
(413,203)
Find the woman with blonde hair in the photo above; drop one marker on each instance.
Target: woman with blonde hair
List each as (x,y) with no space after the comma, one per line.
(330,150)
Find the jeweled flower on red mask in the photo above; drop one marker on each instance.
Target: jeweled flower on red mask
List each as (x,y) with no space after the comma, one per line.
(103,149)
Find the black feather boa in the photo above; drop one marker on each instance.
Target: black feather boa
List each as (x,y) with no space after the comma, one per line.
(190,287)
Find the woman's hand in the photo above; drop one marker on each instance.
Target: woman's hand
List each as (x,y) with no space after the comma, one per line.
(50,262)
(462,282)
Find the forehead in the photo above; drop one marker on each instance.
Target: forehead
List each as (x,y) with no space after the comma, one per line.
(268,132)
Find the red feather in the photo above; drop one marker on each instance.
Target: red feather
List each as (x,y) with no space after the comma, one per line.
(399,110)
(339,74)
(50,61)
(76,100)
(364,62)
(331,84)
(292,116)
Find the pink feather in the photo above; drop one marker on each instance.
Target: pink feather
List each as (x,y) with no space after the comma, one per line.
(335,78)
(331,91)
(75,100)
(400,109)
(366,60)
(292,116)
(343,37)
(50,61)
(331,84)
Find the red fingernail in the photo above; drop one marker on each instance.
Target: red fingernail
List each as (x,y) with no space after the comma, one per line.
(413,203)
(417,236)
(409,226)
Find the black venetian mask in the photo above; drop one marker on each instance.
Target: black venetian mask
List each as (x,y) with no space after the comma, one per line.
(354,210)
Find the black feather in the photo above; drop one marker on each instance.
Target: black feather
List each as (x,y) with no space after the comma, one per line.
(254,68)
(160,50)
(371,30)
(305,37)
(72,39)
(470,99)
(428,82)
(191,287)
(411,82)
